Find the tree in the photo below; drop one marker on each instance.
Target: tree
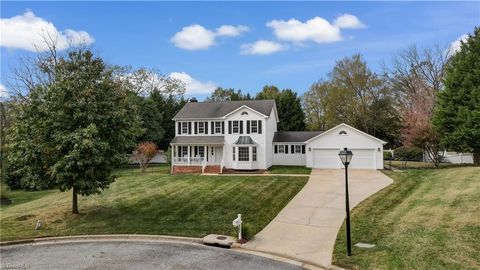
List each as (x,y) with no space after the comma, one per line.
(72,131)
(144,153)
(227,94)
(290,112)
(457,116)
(315,104)
(269,92)
(416,78)
(355,95)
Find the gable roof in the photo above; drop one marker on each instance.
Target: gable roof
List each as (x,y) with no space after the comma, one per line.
(348,126)
(294,136)
(193,110)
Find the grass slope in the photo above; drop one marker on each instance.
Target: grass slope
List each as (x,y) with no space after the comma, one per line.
(427,219)
(278,169)
(154,203)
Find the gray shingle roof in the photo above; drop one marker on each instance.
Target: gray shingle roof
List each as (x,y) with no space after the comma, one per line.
(245,140)
(220,109)
(198,140)
(294,136)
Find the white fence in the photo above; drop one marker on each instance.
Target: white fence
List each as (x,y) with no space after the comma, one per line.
(159,158)
(452,157)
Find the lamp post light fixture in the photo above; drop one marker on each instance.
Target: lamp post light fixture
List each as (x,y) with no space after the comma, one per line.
(345,156)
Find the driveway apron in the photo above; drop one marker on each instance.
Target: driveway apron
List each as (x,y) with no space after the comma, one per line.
(306,229)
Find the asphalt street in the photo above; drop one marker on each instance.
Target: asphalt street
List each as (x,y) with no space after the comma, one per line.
(131,255)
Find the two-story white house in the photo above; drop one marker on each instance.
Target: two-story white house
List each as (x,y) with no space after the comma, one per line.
(242,135)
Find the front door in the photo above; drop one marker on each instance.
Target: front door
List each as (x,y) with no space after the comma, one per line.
(216,155)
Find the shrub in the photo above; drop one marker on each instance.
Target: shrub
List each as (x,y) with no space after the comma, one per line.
(410,154)
(144,153)
(387,155)
(247,231)
(4,191)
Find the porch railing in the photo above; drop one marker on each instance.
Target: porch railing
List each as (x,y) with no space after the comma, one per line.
(188,161)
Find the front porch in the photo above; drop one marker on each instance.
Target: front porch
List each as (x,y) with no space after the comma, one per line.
(197,158)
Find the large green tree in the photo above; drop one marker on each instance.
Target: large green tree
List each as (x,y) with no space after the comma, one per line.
(227,94)
(457,115)
(289,106)
(72,131)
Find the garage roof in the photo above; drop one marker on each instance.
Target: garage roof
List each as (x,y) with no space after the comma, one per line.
(294,136)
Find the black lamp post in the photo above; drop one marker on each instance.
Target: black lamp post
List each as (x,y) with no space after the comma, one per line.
(346,155)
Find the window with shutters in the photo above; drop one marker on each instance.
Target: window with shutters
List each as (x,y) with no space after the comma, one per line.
(298,149)
(184,151)
(235,126)
(201,127)
(184,127)
(254,126)
(218,127)
(243,154)
(281,149)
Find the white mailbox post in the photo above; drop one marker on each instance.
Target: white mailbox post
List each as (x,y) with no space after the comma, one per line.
(238,223)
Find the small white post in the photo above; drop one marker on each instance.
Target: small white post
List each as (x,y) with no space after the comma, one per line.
(240,227)
(238,223)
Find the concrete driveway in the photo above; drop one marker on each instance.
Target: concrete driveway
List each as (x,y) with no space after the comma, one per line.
(107,255)
(306,229)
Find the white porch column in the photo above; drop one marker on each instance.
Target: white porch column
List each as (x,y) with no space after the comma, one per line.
(188,155)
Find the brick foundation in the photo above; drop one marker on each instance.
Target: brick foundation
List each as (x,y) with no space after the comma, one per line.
(212,169)
(178,169)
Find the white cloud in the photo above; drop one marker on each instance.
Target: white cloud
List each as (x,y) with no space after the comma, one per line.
(455,46)
(316,29)
(26,32)
(197,37)
(192,85)
(348,21)
(3,92)
(231,31)
(262,47)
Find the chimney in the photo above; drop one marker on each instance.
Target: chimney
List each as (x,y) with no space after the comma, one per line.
(193,99)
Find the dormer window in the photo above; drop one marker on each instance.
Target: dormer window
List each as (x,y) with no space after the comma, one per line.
(343,132)
(244,113)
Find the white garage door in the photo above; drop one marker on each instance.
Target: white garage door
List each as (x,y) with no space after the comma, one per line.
(329,159)
(326,159)
(363,159)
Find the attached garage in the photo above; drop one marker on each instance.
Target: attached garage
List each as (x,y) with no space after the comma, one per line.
(322,150)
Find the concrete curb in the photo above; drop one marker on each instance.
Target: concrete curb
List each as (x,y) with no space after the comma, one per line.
(283,258)
(105,237)
(251,174)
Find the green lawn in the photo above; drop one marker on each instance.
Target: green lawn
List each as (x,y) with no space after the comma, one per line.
(427,219)
(153,203)
(277,169)
(418,164)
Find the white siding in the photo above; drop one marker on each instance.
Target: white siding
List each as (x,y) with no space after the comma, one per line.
(270,129)
(368,149)
(260,139)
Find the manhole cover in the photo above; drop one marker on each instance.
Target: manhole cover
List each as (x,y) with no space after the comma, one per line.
(221,237)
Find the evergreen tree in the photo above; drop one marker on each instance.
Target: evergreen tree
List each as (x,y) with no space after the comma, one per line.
(457,115)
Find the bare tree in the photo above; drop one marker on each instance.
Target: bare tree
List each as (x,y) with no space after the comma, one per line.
(144,81)
(416,77)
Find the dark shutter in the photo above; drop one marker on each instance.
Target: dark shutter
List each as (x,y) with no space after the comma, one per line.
(206,127)
(195,152)
(179,128)
(248,126)
(276,149)
(259,126)
(303,149)
(195,127)
(229,127)
(223,127)
(292,148)
(189,127)
(213,127)
(286,148)
(241,127)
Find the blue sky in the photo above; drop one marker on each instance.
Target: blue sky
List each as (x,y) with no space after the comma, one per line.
(299,41)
